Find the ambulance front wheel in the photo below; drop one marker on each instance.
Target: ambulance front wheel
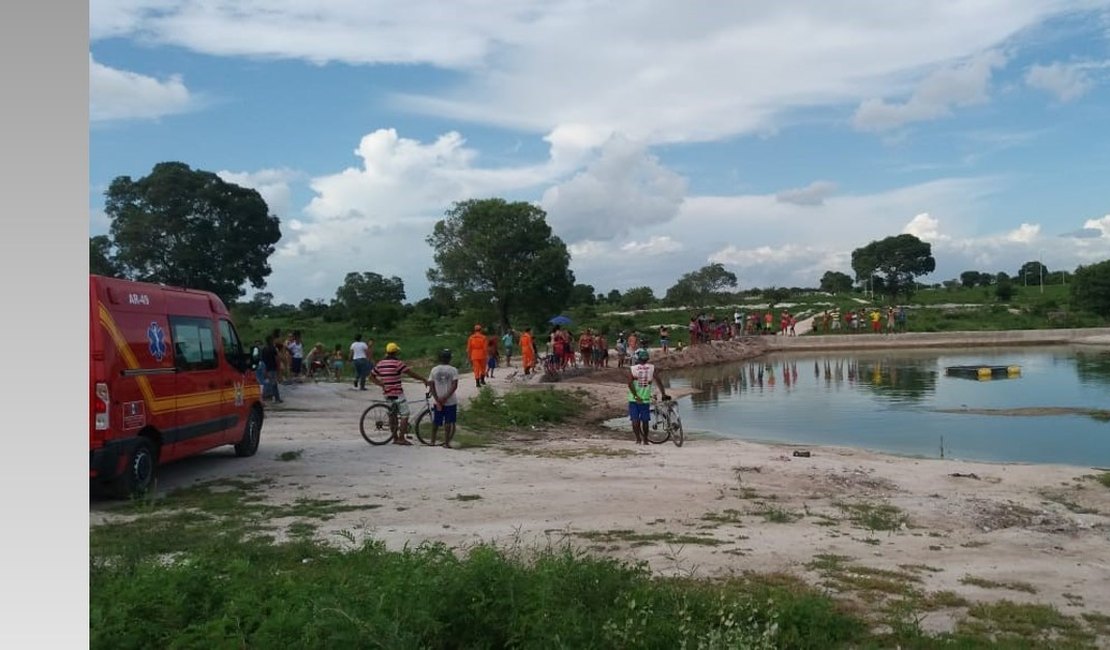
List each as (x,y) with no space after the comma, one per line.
(138,475)
(252,434)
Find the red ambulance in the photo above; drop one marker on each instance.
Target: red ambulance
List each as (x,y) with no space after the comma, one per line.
(168,378)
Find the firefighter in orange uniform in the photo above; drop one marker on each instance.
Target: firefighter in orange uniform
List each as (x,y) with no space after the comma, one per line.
(476,350)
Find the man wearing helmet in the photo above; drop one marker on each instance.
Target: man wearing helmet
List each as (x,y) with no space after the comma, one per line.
(443,382)
(387,373)
(641,376)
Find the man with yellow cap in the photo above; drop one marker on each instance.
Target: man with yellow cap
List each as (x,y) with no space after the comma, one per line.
(388,373)
(476,350)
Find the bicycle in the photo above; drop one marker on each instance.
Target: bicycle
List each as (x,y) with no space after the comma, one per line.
(665,413)
(380,421)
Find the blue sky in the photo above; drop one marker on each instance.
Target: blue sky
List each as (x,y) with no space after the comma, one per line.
(658,137)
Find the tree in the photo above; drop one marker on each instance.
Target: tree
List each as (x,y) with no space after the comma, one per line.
(836,282)
(100,257)
(371,299)
(1090,288)
(582,294)
(188,227)
(1032,273)
(638,298)
(702,286)
(504,254)
(896,260)
(613,297)
(972,279)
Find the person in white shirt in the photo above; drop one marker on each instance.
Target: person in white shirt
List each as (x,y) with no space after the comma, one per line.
(641,375)
(360,355)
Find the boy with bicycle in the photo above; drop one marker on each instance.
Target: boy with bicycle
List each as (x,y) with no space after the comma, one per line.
(388,373)
(641,376)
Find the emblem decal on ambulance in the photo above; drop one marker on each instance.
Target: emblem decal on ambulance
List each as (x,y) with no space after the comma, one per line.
(157,339)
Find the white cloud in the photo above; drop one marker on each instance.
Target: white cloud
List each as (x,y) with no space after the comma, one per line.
(925,228)
(1065,81)
(623,189)
(1024,234)
(120,95)
(813,194)
(965,84)
(654,70)
(271,184)
(656,245)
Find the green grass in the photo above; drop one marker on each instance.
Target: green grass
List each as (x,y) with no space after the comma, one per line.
(1103,478)
(201,568)
(667,537)
(290,455)
(520,408)
(874,516)
(1013,585)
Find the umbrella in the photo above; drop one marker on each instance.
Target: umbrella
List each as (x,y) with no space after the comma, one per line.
(560,320)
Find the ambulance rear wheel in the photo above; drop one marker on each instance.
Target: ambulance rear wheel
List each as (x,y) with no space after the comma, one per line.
(138,474)
(252,434)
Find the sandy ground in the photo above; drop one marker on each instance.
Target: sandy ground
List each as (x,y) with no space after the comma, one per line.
(1045,525)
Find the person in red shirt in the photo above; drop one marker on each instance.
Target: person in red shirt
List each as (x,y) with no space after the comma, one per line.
(388,373)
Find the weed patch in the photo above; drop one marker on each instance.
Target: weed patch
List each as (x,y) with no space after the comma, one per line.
(1013,585)
(1033,626)
(874,516)
(489,411)
(643,539)
(290,455)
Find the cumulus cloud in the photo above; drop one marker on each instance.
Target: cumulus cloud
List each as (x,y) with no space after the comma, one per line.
(121,95)
(272,184)
(965,84)
(624,188)
(813,194)
(1024,234)
(1065,81)
(925,228)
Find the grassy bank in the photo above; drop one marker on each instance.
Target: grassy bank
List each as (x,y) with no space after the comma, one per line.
(221,565)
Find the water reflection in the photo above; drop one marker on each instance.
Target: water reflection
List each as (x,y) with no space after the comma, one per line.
(902,401)
(1093,367)
(897,378)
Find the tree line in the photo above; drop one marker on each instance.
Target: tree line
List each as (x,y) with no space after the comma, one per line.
(496,259)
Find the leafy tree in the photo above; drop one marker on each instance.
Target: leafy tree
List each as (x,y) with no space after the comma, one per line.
(100,257)
(971,279)
(582,294)
(614,296)
(1032,273)
(313,308)
(836,282)
(638,298)
(370,299)
(493,251)
(775,295)
(1090,288)
(189,227)
(897,261)
(702,286)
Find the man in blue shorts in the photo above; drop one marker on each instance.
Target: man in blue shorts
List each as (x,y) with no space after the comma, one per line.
(641,376)
(444,382)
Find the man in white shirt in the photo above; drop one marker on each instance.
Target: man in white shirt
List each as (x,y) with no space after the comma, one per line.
(360,355)
(443,380)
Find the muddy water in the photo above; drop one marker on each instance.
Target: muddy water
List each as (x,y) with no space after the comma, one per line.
(903,402)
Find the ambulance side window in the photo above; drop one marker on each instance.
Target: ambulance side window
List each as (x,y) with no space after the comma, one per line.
(233,349)
(194,343)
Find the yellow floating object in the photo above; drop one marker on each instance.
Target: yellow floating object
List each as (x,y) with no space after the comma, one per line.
(985,373)
(1013,370)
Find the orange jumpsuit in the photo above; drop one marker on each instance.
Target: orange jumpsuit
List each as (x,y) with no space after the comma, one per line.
(476,351)
(526,351)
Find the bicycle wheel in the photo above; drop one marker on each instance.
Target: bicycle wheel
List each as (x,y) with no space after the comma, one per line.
(378,424)
(422,425)
(677,436)
(657,431)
